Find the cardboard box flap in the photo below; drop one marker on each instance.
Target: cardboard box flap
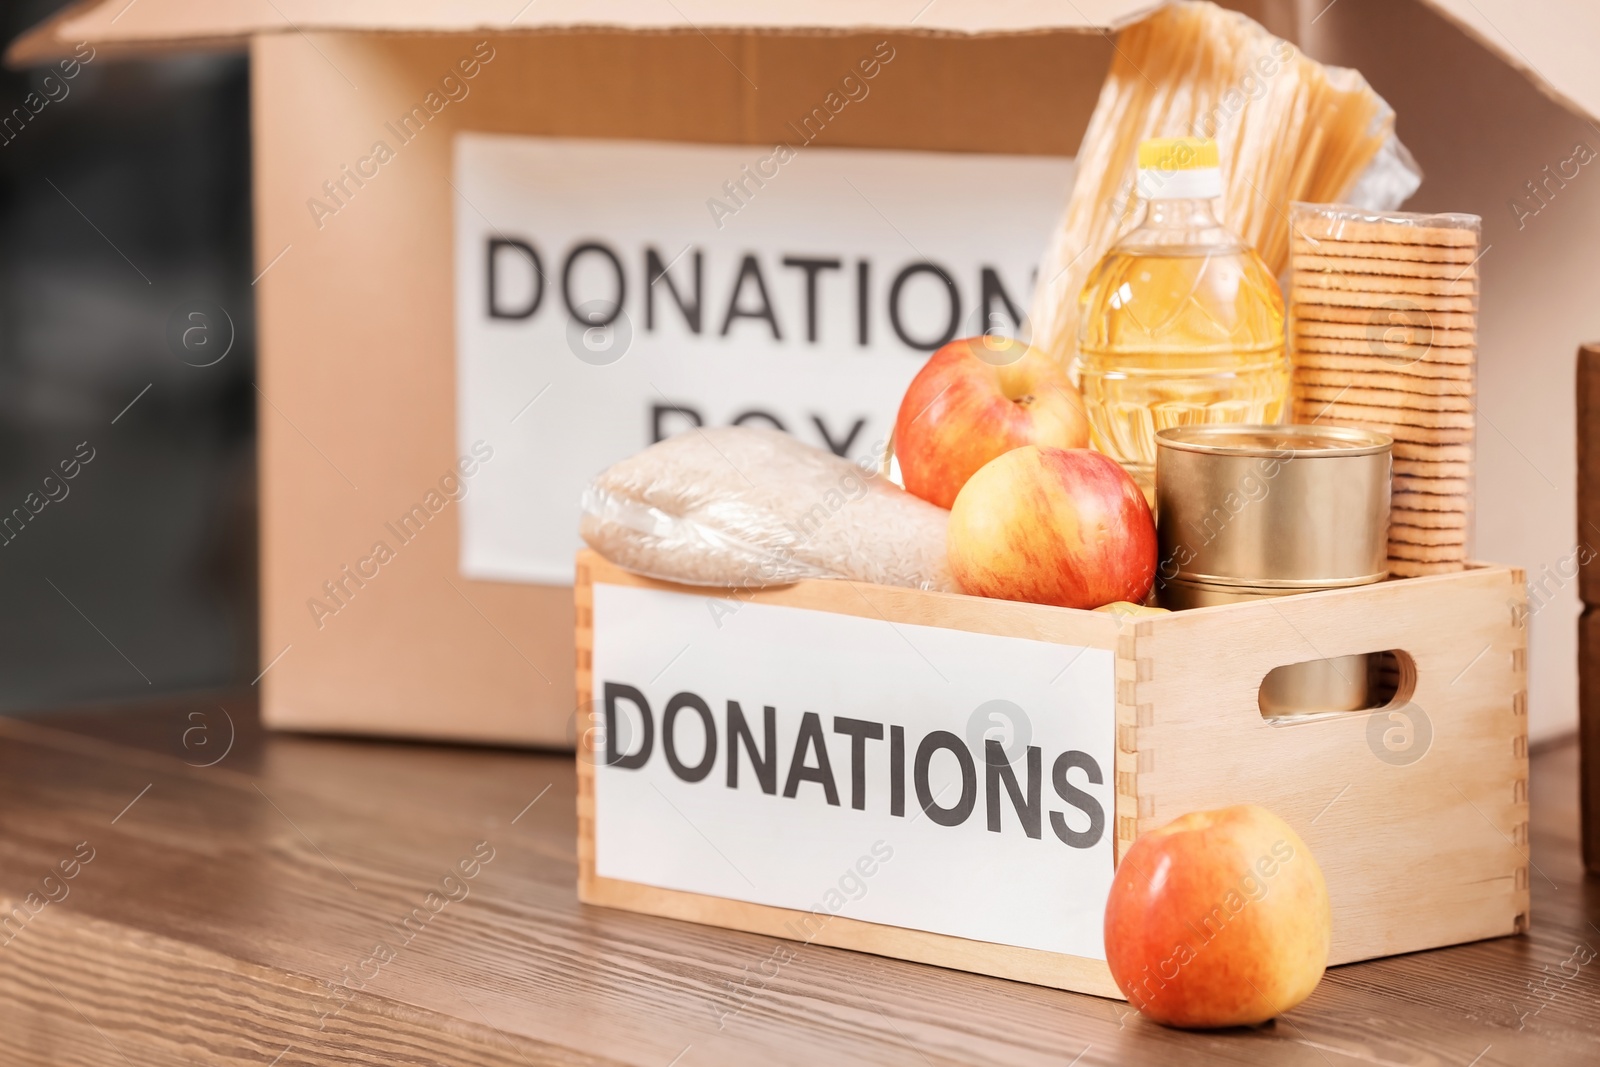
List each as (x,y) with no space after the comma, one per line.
(168,23)
(1553,50)
(1550,42)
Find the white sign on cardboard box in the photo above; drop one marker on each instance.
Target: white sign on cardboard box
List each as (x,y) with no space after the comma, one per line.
(612,293)
(922,777)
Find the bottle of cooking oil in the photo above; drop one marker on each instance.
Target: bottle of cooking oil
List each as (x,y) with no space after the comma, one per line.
(1181,322)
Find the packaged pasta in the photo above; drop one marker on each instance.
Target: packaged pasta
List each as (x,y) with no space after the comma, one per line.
(1287,128)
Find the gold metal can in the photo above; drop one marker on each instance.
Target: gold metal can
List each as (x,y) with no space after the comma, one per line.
(1252,512)
(1273,507)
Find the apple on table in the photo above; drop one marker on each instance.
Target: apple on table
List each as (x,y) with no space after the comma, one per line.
(1219,918)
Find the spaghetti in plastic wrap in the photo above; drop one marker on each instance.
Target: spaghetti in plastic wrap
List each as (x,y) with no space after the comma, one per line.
(741,507)
(1287,128)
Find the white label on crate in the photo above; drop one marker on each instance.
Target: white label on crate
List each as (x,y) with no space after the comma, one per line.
(609,294)
(869,794)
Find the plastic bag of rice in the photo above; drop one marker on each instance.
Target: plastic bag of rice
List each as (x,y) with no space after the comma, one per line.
(744,508)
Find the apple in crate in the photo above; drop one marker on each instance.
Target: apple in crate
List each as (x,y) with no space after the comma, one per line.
(973,400)
(1219,918)
(1063,526)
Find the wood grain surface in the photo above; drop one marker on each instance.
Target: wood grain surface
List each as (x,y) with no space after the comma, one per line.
(225,907)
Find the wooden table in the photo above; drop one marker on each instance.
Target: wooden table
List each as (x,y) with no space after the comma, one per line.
(234,913)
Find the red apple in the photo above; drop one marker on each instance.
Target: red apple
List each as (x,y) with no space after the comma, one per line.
(1219,918)
(1063,526)
(978,398)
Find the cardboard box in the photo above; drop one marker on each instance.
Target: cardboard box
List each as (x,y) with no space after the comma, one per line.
(358,299)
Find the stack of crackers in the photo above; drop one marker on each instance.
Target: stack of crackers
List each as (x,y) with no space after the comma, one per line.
(1383,335)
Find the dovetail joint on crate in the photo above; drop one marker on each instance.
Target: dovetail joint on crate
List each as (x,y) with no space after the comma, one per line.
(1131,758)
(1134,755)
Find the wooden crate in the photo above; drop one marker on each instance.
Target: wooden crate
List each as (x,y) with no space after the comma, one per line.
(1418,851)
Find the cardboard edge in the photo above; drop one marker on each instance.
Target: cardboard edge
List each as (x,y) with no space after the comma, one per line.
(1507,53)
(45,42)
(50,40)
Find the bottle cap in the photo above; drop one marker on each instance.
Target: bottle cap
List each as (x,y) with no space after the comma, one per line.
(1179,168)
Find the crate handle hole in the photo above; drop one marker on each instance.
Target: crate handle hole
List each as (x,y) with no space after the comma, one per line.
(1339,685)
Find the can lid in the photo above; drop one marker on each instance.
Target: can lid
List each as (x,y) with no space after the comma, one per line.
(1276,442)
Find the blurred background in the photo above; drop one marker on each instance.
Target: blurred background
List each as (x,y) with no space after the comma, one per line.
(124,213)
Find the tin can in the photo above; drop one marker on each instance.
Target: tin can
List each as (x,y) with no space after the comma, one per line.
(1249,512)
(1300,507)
